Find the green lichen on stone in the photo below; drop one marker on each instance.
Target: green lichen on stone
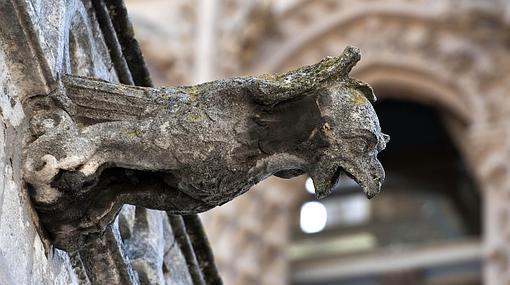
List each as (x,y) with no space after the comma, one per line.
(270,77)
(188,149)
(194,117)
(358,98)
(193,91)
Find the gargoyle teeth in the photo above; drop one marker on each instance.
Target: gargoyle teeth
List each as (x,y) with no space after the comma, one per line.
(325,177)
(369,181)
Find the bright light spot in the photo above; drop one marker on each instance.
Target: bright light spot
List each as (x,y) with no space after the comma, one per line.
(351,209)
(313,217)
(310,188)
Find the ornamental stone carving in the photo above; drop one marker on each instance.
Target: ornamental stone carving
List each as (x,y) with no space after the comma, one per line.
(97,145)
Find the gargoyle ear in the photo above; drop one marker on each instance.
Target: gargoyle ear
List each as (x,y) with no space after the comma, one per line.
(365,89)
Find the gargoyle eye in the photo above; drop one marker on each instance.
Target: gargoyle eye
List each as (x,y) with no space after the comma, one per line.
(363,144)
(362,141)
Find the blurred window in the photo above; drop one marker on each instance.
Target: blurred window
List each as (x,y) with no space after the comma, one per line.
(426,222)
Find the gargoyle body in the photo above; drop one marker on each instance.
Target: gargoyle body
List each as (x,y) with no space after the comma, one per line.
(97,145)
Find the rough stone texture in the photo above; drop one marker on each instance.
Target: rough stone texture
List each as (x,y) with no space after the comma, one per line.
(42,41)
(151,246)
(98,145)
(39,41)
(23,258)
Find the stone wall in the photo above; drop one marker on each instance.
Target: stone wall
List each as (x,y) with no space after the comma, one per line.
(39,41)
(23,257)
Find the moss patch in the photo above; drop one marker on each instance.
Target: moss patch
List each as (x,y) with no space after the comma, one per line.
(358,98)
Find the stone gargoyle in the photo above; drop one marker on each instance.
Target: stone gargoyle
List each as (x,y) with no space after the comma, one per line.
(95,145)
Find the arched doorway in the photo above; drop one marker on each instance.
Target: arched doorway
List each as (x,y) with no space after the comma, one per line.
(423,229)
(446,56)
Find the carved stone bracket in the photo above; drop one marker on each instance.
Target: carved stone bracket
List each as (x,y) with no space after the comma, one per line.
(97,145)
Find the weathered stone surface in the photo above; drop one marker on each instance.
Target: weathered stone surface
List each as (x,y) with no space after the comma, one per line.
(64,38)
(23,257)
(39,41)
(146,247)
(98,145)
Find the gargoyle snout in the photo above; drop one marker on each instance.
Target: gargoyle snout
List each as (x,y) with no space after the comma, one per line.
(383,141)
(372,183)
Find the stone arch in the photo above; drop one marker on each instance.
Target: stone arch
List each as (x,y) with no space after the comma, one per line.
(445,52)
(432,90)
(442,50)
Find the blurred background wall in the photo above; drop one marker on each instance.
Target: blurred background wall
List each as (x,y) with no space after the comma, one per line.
(441,71)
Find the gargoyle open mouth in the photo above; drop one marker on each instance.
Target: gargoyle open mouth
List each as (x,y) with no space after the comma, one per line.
(368,178)
(335,179)
(341,172)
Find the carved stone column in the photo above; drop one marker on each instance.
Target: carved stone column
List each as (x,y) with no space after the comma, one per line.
(489,145)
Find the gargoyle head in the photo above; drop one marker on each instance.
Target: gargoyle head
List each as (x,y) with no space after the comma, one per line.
(352,129)
(334,113)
